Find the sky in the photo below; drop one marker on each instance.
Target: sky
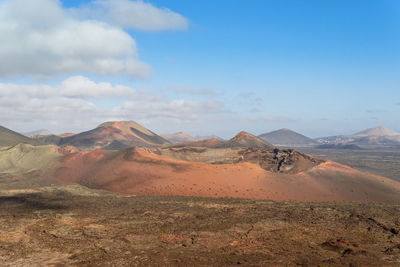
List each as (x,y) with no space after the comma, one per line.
(202,67)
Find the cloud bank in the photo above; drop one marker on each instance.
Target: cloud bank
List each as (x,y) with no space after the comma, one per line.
(73,104)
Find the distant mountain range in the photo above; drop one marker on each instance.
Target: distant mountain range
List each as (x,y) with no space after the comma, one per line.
(113,135)
(282,137)
(242,139)
(117,135)
(181,137)
(378,136)
(369,138)
(37,132)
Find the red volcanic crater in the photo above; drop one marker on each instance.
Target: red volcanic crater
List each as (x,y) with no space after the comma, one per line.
(138,171)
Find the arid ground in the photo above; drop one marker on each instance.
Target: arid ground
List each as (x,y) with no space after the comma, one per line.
(384,162)
(76,226)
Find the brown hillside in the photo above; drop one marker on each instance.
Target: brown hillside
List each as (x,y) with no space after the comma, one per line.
(244,139)
(114,136)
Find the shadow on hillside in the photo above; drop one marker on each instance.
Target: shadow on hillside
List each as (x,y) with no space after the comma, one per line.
(28,202)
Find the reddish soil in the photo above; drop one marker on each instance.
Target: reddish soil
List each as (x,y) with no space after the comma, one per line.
(75,226)
(136,171)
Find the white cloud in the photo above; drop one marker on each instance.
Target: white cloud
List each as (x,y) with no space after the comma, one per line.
(179,110)
(82,87)
(135,14)
(39,38)
(66,107)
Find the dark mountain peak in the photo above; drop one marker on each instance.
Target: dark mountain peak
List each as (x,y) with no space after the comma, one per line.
(287,137)
(11,138)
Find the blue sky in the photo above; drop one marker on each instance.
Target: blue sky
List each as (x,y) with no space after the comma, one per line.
(317,67)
